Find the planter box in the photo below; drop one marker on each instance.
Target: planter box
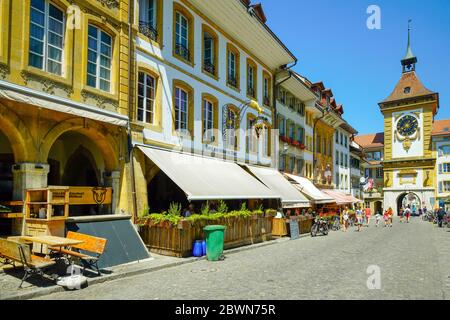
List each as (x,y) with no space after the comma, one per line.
(177,240)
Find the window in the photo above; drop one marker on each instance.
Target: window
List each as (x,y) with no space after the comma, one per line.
(210,51)
(182,36)
(379,173)
(342,160)
(99,59)
(368,173)
(337,179)
(342,139)
(444,150)
(266,89)
(181,109)
(233,66)
(291,164)
(301,135)
(146,98)
(346,161)
(337,158)
(208,119)
(232,125)
(369,156)
(345,182)
(345,141)
(337,137)
(46,36)
(148,18)
(266,142)
(300,165)
(281,125)
(291,131)
(282,165)
(251,79)
(251,135)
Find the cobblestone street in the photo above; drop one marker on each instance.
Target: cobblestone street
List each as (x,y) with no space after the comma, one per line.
(414,260)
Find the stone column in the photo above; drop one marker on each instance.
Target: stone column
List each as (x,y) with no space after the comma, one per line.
(112,179)
(28,176)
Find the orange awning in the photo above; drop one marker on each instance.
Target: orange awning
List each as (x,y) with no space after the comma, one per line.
(340,197)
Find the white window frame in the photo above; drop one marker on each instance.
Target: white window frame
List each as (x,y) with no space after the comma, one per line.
(232,64)
(45,43)
(208,119)
(98,66)
(148,12)
(179,104)
(179,37)
(145,99)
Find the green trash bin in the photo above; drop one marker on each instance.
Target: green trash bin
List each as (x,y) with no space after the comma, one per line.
(215,236)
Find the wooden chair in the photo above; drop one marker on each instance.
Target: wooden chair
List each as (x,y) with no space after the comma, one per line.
(90,244)
(15,251)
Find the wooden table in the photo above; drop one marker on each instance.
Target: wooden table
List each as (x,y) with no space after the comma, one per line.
(52,241)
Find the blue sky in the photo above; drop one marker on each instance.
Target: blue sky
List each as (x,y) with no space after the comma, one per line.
(362,66)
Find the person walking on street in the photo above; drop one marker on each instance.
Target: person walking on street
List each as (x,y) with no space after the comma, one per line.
(408,213)
(440,216)
(401,214)
(359,218)
(378,217)
(368,215)
(345,218)
(391,217)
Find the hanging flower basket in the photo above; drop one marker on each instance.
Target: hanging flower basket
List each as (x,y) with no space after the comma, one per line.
(302,146)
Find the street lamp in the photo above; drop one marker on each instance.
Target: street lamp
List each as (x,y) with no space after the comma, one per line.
(227,121)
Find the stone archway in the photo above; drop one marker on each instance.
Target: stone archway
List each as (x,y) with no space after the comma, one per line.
(97,133)
(410,199)
(18,134)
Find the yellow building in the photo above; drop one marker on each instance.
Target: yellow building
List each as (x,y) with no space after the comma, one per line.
(63,96)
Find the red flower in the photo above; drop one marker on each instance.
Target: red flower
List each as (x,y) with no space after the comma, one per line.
(302,146)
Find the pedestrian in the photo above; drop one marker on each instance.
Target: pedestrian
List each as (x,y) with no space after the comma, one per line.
(378,217)
(391,216)
(401,213)
(359,218)
(345,218)
(408,213)
(440,216)
(368,215)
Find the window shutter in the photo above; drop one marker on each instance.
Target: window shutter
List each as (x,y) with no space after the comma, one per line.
(440,169)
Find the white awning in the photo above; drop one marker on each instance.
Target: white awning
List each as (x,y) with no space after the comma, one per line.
(208,178)
(40,99)
(310,190)
(290,196)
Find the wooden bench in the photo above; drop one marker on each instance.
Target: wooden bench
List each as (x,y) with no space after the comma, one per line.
(90,244)
(16,251)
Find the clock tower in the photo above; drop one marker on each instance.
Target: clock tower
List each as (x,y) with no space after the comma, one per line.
(409,164)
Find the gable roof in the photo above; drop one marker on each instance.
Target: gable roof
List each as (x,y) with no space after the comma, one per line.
(374,140)
(441,127)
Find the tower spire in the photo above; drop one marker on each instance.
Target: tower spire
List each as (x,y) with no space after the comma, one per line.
(410,60)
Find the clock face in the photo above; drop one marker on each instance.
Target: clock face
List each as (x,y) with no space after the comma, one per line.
(407,125)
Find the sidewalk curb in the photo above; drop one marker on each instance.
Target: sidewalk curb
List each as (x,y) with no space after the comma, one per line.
(122,275)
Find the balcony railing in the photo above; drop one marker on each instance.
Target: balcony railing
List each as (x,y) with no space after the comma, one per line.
(209,67)
(232,81)
(182,51)
(148,30)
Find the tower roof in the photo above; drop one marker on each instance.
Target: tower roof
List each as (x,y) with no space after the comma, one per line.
(410,59)
(408,87)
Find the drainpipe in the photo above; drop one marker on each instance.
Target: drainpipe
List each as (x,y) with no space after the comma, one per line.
(324,111)
(275,87)
(130,108)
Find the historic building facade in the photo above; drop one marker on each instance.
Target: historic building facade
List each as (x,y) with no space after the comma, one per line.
(408,163)
(63,95)
(203,84)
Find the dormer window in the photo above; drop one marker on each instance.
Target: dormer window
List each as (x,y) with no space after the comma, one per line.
(407,90)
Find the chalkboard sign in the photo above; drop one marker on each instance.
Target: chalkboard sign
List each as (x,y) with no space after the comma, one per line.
(294,230)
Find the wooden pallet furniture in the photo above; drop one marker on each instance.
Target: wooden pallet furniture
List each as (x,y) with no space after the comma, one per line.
(16,251)
(46,211)
(95,246)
